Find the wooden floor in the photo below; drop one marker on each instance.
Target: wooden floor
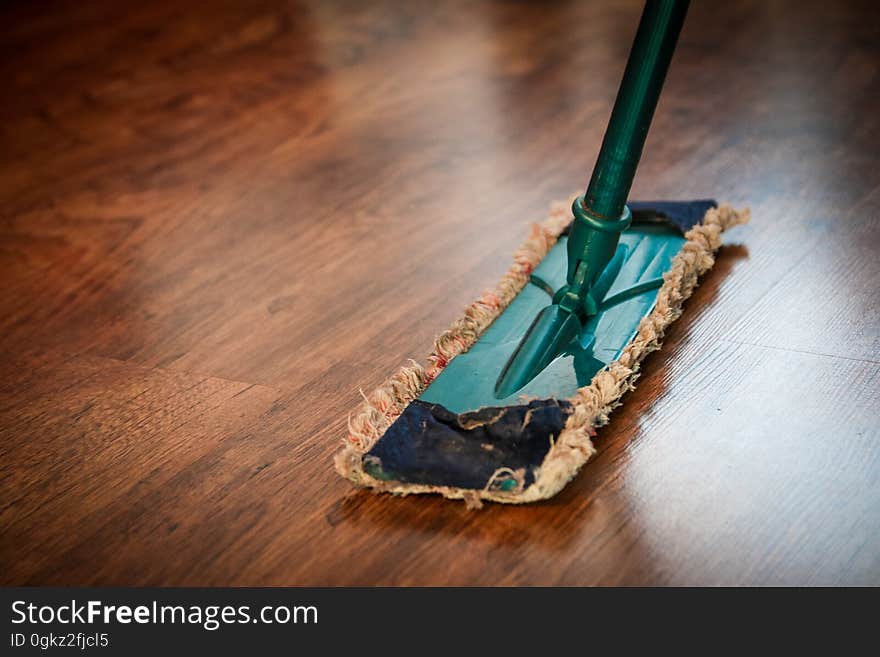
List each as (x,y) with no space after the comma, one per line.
(221,220)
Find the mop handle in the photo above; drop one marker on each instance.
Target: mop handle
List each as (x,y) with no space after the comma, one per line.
(634,107)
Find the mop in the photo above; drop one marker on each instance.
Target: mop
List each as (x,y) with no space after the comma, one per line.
(508,404)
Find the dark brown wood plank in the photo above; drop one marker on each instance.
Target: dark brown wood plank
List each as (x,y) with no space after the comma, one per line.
(220,220)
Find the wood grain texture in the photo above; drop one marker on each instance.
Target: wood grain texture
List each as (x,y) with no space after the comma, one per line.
(222,219)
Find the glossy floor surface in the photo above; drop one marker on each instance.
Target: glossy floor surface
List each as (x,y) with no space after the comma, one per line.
(220,220)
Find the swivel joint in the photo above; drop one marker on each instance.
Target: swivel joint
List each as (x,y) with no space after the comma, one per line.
(591,245)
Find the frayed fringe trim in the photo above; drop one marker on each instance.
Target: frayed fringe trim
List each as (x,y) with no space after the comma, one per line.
(591,405)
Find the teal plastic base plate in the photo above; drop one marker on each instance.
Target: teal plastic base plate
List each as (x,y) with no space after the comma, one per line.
(468,382)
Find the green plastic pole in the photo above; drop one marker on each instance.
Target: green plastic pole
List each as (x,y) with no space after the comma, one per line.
(600,215)
(636,100)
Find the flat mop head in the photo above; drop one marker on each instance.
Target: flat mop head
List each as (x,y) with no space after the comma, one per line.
(460,428)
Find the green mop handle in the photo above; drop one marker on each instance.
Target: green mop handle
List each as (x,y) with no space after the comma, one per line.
(636,100)
(600,215)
